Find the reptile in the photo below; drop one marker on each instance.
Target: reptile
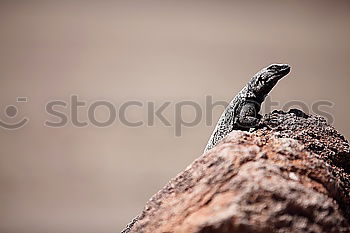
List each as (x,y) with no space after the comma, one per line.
(242,113)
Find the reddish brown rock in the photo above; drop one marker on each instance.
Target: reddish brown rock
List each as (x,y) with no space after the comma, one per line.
(292,175)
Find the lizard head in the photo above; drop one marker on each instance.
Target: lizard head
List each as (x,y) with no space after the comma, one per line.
(267,78)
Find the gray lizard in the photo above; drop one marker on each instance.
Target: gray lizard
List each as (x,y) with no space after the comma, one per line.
(243,111)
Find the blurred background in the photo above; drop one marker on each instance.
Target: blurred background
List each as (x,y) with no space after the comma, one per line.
(90,179)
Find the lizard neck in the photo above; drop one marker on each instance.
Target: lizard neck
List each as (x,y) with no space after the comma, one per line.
(252,94)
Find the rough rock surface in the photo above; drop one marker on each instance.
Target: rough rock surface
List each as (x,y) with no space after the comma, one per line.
(290,175)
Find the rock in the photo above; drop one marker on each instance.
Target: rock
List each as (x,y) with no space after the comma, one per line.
(290,175)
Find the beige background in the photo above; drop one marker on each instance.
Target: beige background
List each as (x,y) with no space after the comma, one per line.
(90,179)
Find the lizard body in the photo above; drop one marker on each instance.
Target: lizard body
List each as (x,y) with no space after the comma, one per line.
(243,111)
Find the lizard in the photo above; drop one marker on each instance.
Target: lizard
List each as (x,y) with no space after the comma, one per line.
(242,113)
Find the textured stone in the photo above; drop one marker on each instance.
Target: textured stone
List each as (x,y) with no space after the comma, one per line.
(290,175)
